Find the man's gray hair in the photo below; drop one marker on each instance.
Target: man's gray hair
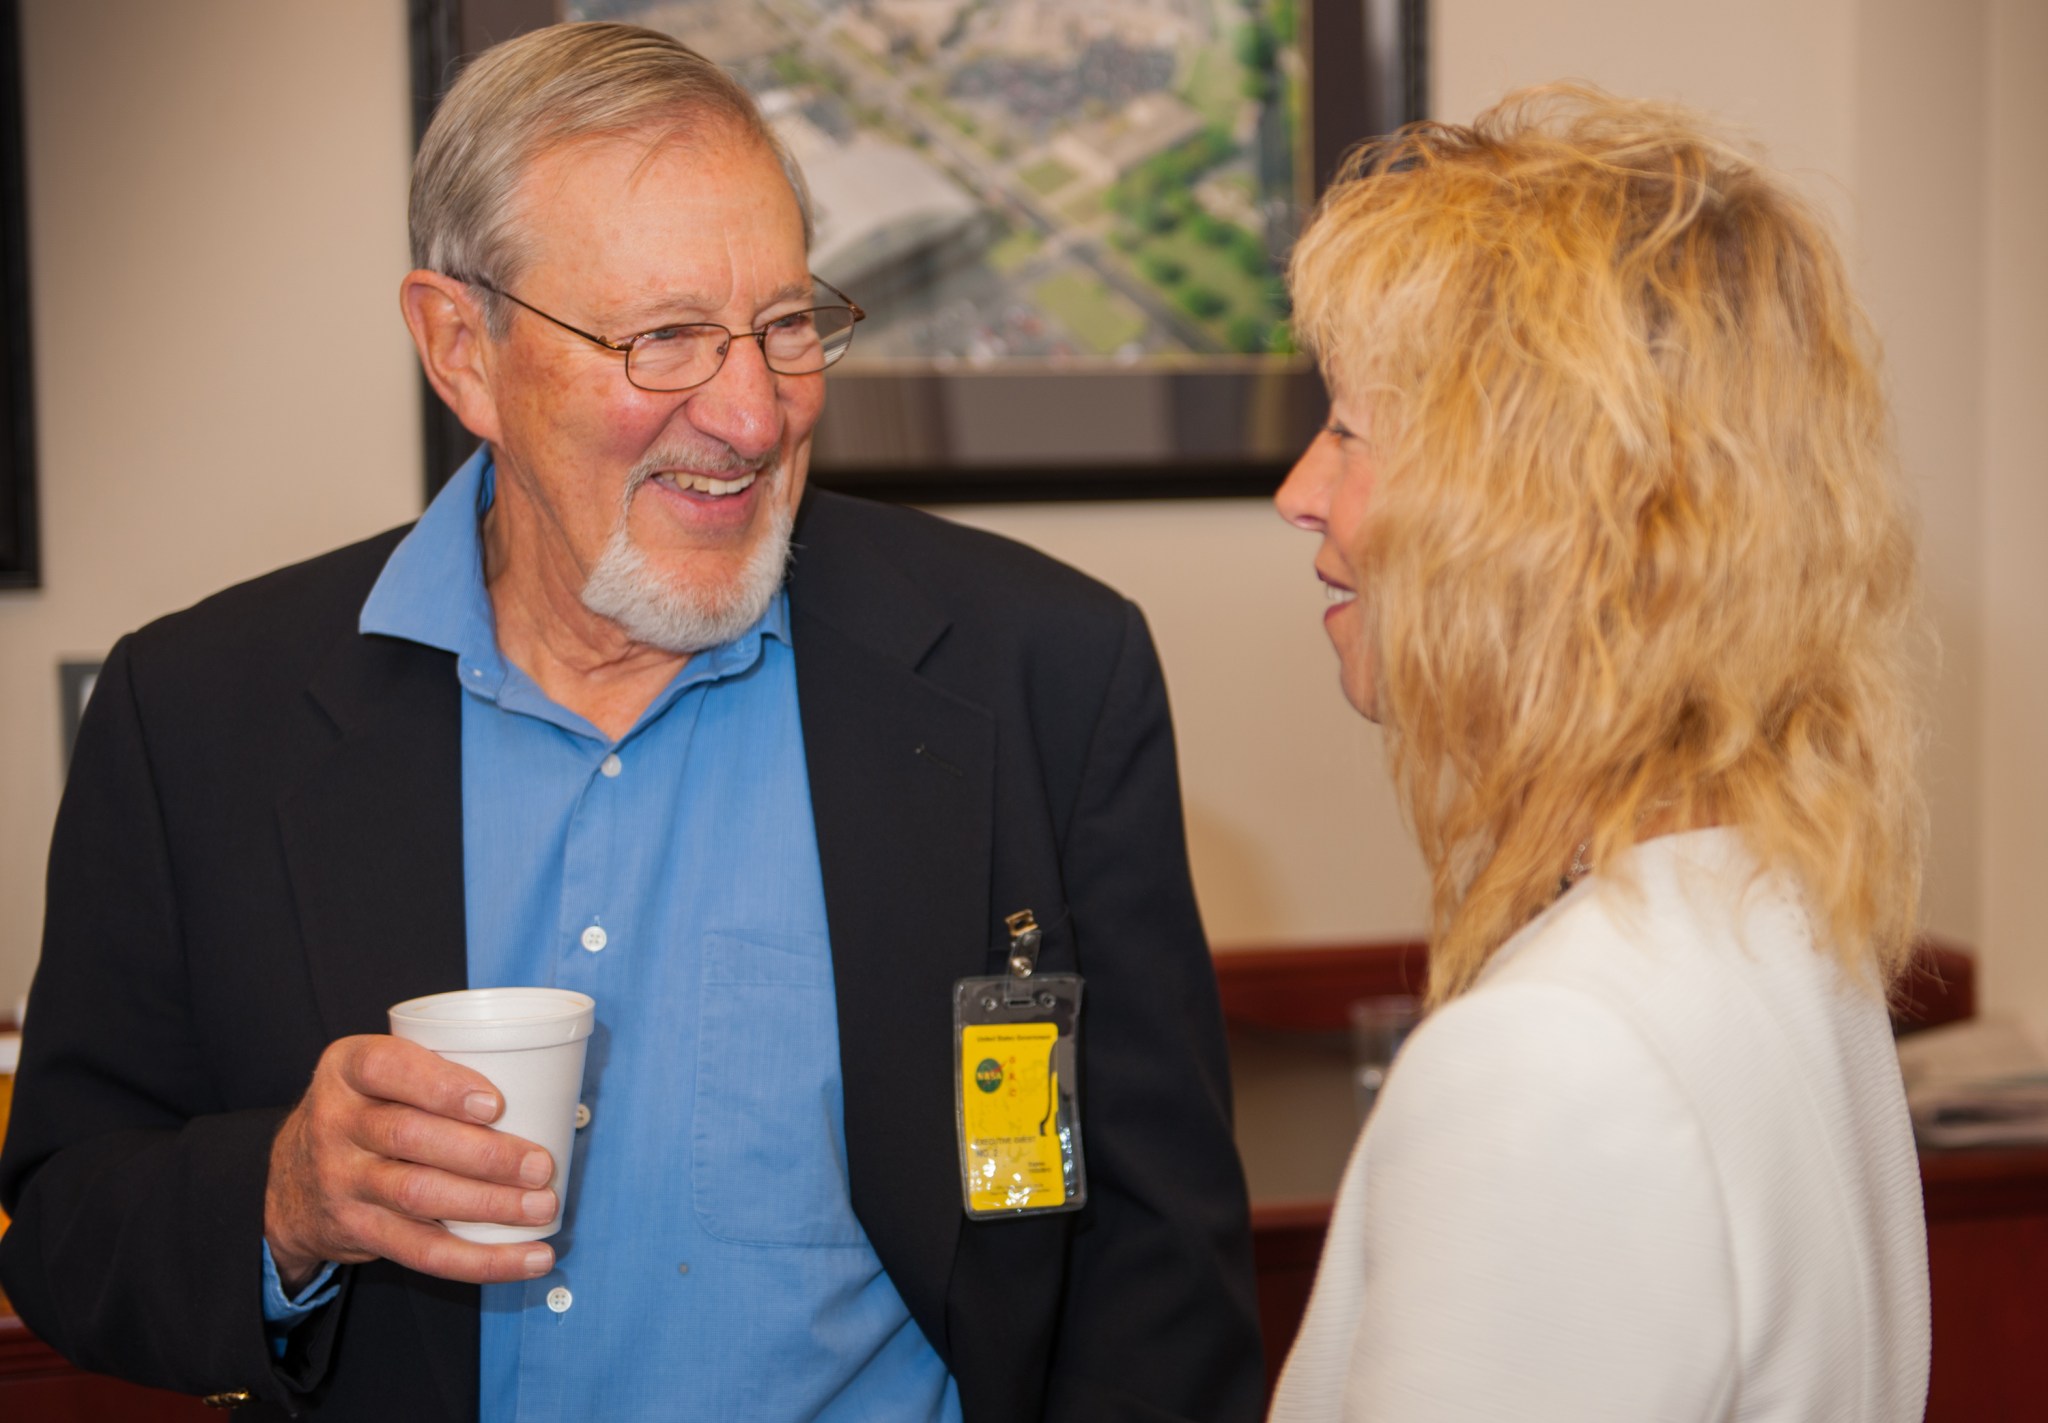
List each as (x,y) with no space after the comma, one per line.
(546,87)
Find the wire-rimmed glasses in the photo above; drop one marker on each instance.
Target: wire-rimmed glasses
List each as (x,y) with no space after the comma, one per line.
(684,356)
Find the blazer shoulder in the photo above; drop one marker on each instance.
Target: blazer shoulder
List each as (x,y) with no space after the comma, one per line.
(975,575)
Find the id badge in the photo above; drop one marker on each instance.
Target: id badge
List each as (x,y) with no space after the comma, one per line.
(1016,1088)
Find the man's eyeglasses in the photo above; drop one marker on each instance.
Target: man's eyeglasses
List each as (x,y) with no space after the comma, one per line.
(672,358)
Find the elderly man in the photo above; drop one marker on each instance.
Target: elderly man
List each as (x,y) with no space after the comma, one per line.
(575,728)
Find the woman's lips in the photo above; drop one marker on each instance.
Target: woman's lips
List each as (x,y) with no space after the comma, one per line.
(1339,596)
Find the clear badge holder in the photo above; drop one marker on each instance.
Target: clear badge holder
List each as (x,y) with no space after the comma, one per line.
(1016,1090)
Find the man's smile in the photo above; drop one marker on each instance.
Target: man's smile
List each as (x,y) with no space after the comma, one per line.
(682,481)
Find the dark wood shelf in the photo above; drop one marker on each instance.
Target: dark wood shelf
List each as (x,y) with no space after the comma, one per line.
(39,1385)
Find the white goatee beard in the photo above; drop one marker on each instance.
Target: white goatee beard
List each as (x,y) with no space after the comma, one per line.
(671,614)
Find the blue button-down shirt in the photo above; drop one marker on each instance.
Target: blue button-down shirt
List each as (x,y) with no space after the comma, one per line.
(710,1264)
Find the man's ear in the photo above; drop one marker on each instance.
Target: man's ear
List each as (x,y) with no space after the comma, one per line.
(447,325)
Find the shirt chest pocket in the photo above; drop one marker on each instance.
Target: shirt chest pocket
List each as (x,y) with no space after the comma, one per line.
(768,1148)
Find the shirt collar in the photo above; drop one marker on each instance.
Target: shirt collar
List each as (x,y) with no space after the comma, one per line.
(432,592)
(432,588)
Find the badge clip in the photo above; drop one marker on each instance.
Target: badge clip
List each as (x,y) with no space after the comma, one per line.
(1025,937)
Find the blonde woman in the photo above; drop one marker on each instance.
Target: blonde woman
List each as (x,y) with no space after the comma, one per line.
(1615,556)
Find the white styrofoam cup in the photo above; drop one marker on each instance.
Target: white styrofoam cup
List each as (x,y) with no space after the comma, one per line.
(530,1043)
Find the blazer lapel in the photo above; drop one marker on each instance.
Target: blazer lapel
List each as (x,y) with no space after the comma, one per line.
(373,837)
(373,841)
(902,777)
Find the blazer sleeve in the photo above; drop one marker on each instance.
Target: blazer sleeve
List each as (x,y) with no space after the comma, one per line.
(137,1200)
(1159,1319)
(1543,1231)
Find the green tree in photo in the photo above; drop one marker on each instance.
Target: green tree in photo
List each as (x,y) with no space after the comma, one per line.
(1163,270)
(1285,18)
(1248,252)
(1247,335)
(1255,50)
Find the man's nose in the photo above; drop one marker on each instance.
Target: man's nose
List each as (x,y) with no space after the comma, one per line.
(739,405)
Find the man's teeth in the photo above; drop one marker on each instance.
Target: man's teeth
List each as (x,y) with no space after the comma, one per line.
(1339,595)
(705,484)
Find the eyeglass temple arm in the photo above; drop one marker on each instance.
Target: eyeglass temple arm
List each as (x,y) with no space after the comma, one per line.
(859,313)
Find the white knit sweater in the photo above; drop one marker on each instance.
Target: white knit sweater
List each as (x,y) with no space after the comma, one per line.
(1656,1164)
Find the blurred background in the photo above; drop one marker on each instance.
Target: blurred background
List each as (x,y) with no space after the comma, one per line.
(218,188)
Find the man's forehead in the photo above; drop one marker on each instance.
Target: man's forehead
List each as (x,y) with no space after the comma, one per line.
(698,214)
(686,139)
(691,164)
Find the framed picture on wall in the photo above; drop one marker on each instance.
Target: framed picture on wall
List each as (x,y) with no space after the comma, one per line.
(1067,219)
(19,565)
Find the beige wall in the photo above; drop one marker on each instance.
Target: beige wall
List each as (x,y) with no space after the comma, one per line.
(169,165)
(2012,757)
(217,227)
(1920,227)
(1291,825)
(1785,69)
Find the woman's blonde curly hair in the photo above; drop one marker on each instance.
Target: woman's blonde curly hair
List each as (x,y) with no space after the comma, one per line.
(1637,551)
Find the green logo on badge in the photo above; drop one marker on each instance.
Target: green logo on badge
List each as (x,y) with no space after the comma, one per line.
(988,1075)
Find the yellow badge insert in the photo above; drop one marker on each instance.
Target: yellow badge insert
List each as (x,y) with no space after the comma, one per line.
(1010,1118)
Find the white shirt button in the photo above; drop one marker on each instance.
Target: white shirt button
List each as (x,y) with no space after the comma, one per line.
(559,1299)
(582,1116)
(612,765)
(595,938)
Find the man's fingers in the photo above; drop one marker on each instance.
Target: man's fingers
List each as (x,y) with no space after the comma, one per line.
(394,1070)
(431,1250)
(390,1139)
(424,1193)
(406,1134)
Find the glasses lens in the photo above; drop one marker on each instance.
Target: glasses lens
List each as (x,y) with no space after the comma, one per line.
(791,344)
(799,344)
(805,342)
(676,358)
(835,332)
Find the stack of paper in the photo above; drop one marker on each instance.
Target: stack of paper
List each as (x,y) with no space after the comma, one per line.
(1983,1082)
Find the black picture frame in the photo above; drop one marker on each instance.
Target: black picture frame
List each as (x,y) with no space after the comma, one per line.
(20,551)
(1368,73)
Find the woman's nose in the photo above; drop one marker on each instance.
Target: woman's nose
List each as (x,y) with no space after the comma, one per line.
(1303,499)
